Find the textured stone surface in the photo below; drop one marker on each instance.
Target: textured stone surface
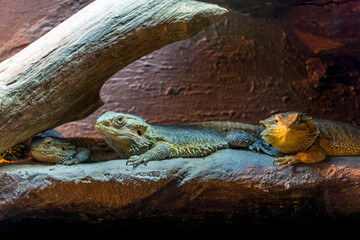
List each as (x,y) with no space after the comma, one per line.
(231,185)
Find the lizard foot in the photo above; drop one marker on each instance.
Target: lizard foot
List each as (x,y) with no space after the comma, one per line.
(70,162)
(82,155)
(263,147)
(3,160)
(286,162)
(259,146)
(136,161)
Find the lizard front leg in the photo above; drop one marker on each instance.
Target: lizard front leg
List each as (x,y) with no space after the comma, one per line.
(314,154)
(82,154)
(244,140)
(160,151)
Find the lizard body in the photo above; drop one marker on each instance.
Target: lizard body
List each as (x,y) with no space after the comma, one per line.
(309,140)
(131,137)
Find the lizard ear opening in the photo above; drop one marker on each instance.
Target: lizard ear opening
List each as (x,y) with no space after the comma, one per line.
(139,132)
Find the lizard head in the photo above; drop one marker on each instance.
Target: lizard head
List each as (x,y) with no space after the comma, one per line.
(51,149)
(127,134)
(290,132)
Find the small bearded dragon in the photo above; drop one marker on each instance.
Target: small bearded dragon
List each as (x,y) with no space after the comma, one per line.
(133,139)
(66,151)
(308,140)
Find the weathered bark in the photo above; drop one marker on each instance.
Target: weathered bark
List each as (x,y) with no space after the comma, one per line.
(57,78)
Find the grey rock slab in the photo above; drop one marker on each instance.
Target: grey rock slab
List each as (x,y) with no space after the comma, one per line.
(230,184)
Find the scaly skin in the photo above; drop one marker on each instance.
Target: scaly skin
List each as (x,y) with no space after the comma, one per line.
(11,154)
(66,151)
(131,137)
(308,140)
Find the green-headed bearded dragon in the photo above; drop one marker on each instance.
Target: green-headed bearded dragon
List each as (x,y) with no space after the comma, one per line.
(133,139)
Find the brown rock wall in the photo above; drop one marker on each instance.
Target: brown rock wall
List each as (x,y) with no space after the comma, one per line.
(284,56)
(228,72)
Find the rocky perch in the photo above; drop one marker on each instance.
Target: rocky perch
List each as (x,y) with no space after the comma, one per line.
(229,186)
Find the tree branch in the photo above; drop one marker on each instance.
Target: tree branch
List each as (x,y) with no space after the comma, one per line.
(57,78)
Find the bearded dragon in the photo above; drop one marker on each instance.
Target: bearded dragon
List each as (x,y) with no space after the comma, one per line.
(66,151)
(9,155)
(133,139)
(308,140)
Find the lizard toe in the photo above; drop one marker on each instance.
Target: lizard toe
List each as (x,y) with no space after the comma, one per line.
(286,162)
(70,162)
(135,161)
(260,146)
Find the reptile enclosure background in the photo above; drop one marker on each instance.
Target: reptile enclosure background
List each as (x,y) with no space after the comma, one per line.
(263,57)
(258,60)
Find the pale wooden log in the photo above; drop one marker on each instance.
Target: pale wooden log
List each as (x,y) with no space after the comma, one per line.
(57,78)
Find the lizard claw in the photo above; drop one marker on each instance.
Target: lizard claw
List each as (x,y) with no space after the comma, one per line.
(264,147)
(259,146)
(286,162)
(136,161)
(70,162)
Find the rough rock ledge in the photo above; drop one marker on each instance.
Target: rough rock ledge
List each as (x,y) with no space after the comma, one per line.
(231,185)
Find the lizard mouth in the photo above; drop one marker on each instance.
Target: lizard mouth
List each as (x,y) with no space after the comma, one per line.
(57,150)
(289,140)
(51,150)
(112,132)
(45,150)
(51,153)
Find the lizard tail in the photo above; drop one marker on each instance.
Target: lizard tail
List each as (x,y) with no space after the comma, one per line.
(227,127)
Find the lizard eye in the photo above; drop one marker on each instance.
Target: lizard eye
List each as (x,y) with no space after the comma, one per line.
(120,120)
(139,133)
(276,121)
